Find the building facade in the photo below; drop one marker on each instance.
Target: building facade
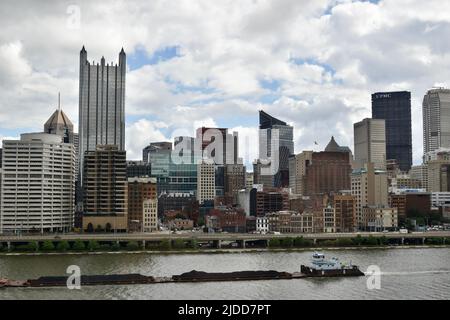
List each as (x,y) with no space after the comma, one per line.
(140,190)
(436,119)
(105,188)
(369,186)
(370,143)
(138,169)
(206,179)
(274,133)
(345,212)
(411,205)
(150,215)
(395,109)
(101,104)
(38,184)
(377,219)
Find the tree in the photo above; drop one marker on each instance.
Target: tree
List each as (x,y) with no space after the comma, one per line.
(132,245)
(383,241)
(371,241)
(93,245)
(179,244)
(344,242)
(201,221)
(193,244)
(287,242)
(63,246)
(78,245)
(274,242)
(165,245)
(105,247)
(47,246)
(115,246)
(358,240)
(299,242)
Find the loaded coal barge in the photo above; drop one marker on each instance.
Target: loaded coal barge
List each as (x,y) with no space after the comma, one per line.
(320,267)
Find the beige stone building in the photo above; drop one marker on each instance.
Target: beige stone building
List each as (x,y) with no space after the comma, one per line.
(369,186)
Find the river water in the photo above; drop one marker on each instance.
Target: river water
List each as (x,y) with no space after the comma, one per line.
(422,273)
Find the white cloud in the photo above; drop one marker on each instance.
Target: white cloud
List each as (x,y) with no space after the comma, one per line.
(350,48)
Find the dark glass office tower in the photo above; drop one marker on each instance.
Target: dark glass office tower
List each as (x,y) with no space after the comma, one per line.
(270,129)
(395,109)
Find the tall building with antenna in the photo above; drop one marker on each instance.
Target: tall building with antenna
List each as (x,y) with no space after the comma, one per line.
(101,104)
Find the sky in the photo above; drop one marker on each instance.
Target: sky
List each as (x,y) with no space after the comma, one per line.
(311,63)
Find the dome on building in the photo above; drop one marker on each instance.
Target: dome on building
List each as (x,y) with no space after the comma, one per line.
(58,120)
(334,147)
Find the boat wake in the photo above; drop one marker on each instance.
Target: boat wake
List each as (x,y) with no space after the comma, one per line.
(407,273)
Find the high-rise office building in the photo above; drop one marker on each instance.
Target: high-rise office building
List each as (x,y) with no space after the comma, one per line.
(105,189)
(370,143)
(183,171)
(206,181)
(158,155)
(38,184)
(101,104)
(395,109)
(60,124)
(436,120)
(276,133)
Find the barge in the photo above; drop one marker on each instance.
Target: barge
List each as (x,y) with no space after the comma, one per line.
(200,276)
(320,267)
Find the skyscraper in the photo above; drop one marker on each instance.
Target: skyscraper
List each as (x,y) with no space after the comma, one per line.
(60,124)
(206,180)
(101,104)
(395,109)
(370,143)
(436,120)
(274,132)
(105,189)
(38,184)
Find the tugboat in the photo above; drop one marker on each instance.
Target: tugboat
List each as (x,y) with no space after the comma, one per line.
(320,267)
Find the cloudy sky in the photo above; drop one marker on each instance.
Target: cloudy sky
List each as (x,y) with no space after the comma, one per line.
(312,63)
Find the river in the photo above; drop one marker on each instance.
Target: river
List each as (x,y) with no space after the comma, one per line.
(417,273)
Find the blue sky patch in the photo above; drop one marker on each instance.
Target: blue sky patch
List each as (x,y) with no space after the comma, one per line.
(140,56)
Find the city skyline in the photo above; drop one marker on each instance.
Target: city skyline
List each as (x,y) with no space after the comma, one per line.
(177,82)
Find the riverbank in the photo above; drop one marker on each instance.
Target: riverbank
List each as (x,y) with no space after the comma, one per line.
(220,251)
